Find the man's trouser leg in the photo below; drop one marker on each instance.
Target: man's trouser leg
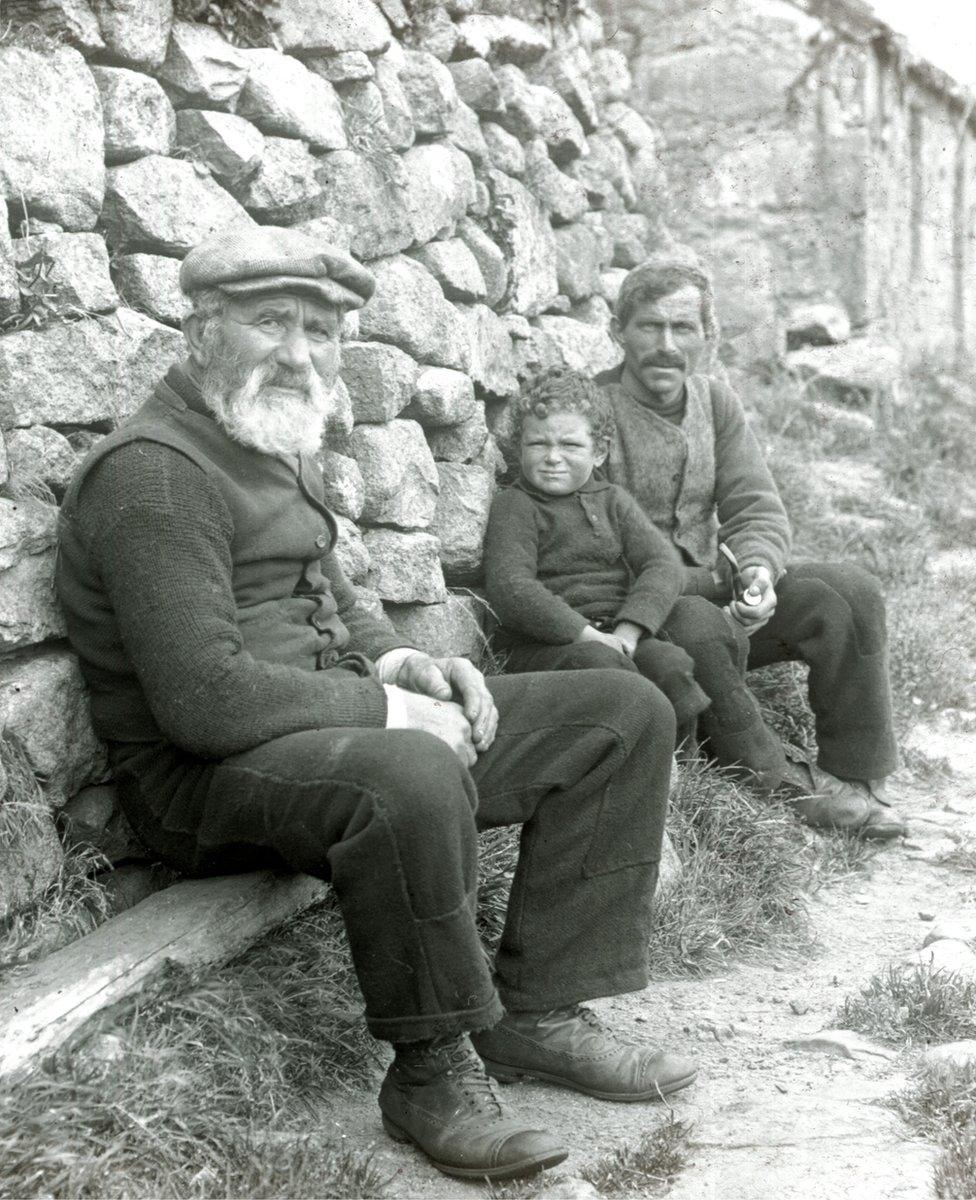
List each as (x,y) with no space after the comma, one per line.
(732,726)
(389,817)
(832,616)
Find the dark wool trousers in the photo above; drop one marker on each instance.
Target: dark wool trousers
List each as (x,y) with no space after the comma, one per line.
(391,818)
(830,616)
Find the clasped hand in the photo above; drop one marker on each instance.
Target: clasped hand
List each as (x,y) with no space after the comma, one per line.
(449,698)
(753,616)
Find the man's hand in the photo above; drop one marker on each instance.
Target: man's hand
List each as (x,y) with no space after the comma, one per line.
(589,634)
(443,718)
(447,679)
(753,616)
(630,634)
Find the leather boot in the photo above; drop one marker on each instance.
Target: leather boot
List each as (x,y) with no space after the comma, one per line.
(572,1047)
(826,802)
(437,1096)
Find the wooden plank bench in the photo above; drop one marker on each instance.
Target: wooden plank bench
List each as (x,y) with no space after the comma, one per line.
(200,922)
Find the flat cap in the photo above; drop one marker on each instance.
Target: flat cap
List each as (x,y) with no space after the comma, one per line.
(267,258)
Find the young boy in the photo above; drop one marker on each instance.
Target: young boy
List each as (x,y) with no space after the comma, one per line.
(578,576)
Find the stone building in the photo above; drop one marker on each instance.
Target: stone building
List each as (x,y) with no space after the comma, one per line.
(815,159)
(484,165)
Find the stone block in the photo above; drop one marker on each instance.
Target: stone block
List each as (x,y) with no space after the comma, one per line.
(609,74)
(533,111)
(327,229)
(438,187)
(350,550)
(41,453)
(404,567)
(135,32)
(52,151)
(862,365)
(501,37)
(454,629)
(434,30)
(467,136)
(70,20)
(505,151)
(481,206)
(164,206)
(380,379)
(490,260)
(584,347)
(94,819)
(491,363)
(817,325)
(345,492)
(150,283)
(490,458)
(537,352)
(398,474)
(348,66)
(32,857)
(950,1057)
(477,86)
(44,706)
(283,97)
(76,267)
(948,957)
(364,193)
(462,442)
(635,133)
(461,518)
(605,171)
(579,259)
(230,147)
(564,198)
(610,281)
(312,27)
(201,69)
(563,71)
(454,267)
(285,187)
(527,242)
(139,118)
(9,285)
(630,233)
(369,600)
(92,372)
(430,92)
(340,421)
(594,310)
(744,295)
(408,310)
(397,113)
(28,611)
(441,397)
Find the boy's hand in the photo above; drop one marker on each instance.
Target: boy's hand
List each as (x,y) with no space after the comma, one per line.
(629,634)
(589,634)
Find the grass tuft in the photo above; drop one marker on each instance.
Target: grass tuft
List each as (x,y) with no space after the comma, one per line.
(913,1004)
(745,866)
(647,1169)
(940,1104)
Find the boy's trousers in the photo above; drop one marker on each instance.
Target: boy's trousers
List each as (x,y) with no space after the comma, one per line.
(391,818)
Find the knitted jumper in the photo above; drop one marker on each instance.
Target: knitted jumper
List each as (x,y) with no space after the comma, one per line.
(701,481)
(200,590)
(555,563)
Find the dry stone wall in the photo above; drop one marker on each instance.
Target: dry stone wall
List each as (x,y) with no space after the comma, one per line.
(485,165)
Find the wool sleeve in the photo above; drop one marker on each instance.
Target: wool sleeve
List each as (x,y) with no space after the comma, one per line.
(752,519)
(159,535)
(654,564)
(521,601)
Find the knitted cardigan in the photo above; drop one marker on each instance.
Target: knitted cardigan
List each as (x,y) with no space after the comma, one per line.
(701,481)
(555,563)
(201,593)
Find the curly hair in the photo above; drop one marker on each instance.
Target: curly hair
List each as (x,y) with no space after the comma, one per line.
(563,390)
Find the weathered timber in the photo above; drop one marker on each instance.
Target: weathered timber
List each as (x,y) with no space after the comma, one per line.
(201,922)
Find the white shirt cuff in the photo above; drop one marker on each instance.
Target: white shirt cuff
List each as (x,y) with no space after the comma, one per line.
(388,665)
(396,707)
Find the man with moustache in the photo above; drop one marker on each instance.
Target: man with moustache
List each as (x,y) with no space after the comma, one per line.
(684,450)
(256,712)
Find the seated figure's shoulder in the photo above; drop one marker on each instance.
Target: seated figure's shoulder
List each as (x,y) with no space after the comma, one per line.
(142,470)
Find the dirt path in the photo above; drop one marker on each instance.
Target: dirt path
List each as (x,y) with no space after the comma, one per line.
(769,1119)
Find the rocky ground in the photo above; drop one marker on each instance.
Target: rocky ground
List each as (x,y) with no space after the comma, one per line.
(771,1114)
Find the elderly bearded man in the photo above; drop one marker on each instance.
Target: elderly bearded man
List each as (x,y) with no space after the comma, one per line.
(684,450)
(256,712)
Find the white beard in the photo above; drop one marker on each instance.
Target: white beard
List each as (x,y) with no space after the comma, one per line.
(274,410)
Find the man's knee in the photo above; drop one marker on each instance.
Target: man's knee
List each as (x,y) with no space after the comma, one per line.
(696,625)
(847,597)
(593,656)
(629,699)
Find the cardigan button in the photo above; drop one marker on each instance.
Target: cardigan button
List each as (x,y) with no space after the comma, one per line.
(322,541)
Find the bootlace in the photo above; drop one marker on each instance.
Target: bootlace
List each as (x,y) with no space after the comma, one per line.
(474,1085)
(590,1018)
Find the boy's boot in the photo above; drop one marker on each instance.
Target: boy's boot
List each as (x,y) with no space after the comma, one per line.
(573,1048)
(436,1094)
